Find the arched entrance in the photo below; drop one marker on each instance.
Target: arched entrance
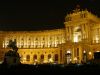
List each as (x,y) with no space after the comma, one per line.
(84,57)
(56,58)
(86,53)
(68,56)
(35,58)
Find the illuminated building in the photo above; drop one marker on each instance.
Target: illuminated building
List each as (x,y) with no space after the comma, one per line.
(75,43)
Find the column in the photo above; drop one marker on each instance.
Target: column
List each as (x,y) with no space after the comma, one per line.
(82,27)
(27,40)
(69,33)
(73,55)
(38,57)
(59,56)
(63,55)
(31,58)
(80,54)
(33,42)
(25,43)
(18,41)
(66,34)
(46,57)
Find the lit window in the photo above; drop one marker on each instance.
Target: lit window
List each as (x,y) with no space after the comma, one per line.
(97,39)
(90,53)
(84,51)
(75,38)
(68,51)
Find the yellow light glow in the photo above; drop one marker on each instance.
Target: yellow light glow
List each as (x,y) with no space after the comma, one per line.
(68,52)
(97,51)
(3,44)
(90,53)
(97,39)
(84,51)
(24,58)
(70,59)
(45,61)
(50,60)
(35,62)
(76,38)
(75,58)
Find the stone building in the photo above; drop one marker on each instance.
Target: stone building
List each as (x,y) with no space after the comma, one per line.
(75,43)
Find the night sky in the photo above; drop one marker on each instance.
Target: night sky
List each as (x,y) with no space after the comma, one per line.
(40,14)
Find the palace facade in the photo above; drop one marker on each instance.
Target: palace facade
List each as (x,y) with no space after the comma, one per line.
(75,43)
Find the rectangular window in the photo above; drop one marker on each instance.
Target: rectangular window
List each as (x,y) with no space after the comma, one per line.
(77,51)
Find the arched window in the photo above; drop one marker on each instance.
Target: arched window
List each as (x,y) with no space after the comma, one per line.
(42,56)
(28,58)
(35,57)
(56,57)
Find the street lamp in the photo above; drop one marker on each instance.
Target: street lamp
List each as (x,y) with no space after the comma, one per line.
(90,53)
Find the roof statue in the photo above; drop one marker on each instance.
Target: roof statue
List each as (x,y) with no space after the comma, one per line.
(77,8)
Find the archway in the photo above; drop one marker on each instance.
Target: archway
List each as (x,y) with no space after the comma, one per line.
(42,58)
(35,57)
(77,35)
(56,58)
(68,56)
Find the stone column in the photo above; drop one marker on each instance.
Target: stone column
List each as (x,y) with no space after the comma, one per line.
(46,57)
(70,34)
(80,54)
(73,55)
(31,58)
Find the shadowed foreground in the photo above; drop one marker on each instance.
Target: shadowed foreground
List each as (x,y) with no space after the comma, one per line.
(48,68)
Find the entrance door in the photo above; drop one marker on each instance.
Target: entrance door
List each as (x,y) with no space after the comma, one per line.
(68,56)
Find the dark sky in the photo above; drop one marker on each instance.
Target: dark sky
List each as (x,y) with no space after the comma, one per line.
(40,14)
